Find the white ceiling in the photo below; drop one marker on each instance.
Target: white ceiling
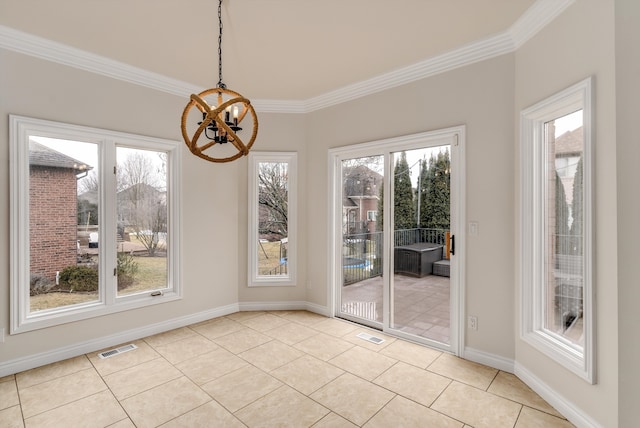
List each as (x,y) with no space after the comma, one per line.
(272,49)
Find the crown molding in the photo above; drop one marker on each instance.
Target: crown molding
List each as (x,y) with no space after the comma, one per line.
(279,106)
(541,13)
(538,16)
(469,54)
(28,44)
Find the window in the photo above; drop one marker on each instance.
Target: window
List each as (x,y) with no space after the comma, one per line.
(94,222)
(272,218)
(556,236)
(372,215)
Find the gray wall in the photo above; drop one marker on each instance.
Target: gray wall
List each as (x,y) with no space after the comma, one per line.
(277,133)
(210,194)
(479,96)
(628,175)
(578,44)
(486,97)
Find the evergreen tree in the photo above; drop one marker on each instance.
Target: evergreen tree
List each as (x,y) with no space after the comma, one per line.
(404,217)
(577,204)
(562,218)
(422,193)
(437,212)
(380,218)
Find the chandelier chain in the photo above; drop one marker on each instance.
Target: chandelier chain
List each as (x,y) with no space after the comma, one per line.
(220,84)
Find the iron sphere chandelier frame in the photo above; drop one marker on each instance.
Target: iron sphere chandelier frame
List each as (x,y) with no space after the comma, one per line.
(221,118)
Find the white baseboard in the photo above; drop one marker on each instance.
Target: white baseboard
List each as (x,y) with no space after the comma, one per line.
(320,310)
(491,360)
(285,306)
(272,306)
(54,355)
(567,408)
(564,406)
(59,354)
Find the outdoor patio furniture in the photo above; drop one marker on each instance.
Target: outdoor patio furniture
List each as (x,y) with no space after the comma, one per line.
(442,267)
(416,259)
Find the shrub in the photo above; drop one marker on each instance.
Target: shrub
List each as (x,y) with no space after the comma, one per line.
(127,269)
(39,284)
(79,278)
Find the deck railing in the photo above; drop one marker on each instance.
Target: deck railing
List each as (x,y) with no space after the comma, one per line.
(368,248)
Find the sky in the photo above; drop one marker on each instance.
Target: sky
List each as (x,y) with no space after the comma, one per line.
(84,152)
(87,152)
(415,156)
(569,122)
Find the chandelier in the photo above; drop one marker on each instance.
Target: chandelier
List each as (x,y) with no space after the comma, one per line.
(218,113)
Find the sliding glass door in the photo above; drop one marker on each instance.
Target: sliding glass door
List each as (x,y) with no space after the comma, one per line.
(361,237)
(420,290)
(396,211)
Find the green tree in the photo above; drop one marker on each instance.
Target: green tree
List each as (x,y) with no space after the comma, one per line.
(562,218)
(404,216)
(380,217)
(577,205)
(425,180)
(437,205)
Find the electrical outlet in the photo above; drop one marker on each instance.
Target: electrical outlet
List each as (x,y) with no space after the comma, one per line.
(472,322)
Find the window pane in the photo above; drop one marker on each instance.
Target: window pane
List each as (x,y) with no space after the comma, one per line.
(141,201)
(564,228)
(273,215)
(63,223)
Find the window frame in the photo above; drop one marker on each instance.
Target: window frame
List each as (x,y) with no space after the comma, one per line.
(532,221)
(20,129)
(291,159)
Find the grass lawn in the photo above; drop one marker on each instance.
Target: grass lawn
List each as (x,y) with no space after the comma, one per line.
(268,257)
(152,274)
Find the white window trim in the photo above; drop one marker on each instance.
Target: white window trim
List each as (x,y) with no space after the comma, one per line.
(532,214)
(255,280)
(21,128)
(456,136)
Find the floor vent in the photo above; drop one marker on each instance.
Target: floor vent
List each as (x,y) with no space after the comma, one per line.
(120,350)
(370,338)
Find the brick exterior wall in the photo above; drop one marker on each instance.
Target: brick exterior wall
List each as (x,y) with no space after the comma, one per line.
(52,220)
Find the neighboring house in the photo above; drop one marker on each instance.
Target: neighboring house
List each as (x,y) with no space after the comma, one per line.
(565,281)
(361,194)
(142,207)
(568,149)
(52,209)
(88,208)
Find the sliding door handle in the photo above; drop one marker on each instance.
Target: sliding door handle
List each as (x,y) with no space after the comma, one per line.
(453,245)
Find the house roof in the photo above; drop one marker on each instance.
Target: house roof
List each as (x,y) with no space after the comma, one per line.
(41,155)
(140,190)
(570,143)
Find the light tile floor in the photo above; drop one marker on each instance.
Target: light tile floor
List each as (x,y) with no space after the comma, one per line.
(271,369)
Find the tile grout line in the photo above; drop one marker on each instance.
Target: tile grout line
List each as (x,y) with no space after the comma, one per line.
(289,321)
